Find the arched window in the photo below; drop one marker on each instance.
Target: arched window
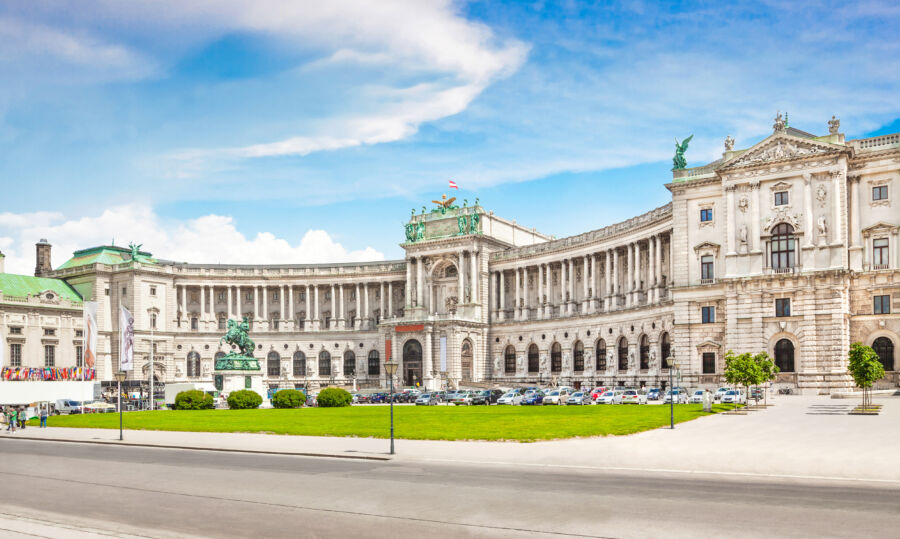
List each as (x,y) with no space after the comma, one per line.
(534,363)
(578,357)
(299,363)
(556,358)
(374,363)
(349,363)
(324,363)
(783,248)
(193,364)
(784,355)
(509,360)
(623,354)
(645,353)
(601,355)
(665,350)
(219,355)
(273,364)
(884,347)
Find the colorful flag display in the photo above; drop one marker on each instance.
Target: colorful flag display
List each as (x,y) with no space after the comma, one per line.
(126,340)
(90,334)
(22,374)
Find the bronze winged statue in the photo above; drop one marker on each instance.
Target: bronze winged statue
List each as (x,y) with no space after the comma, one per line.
(679,162)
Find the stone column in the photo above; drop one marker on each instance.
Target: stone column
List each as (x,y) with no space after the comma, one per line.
(283,313)
(756,203)
(473,277)
(365,292)
(570,285)
(836,178)
(595,283)
(316,322)
(626,273)
(540,287)
(584,286)
(808,209)
(228,310)
(427,362)
(309,317)
(461,267)
(548,308)
(340,313)
(658,268)
(202,305)
(184,315)
(614,283)
(525,307)
(292,307)
(239,304)
(408,300)
(729,214)
(256,304)
(517,310)
(651,273)
(854,213)
(502,308)
(492,294)
(381,299)
(390,300)
(420,288)
(265,299)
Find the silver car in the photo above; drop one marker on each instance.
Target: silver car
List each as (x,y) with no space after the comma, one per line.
(427,399)
(579,397)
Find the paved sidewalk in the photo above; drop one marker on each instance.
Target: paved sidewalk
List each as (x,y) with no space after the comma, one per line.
(801,437)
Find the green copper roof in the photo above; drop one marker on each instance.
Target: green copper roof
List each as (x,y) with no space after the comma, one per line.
(24,285)
(105,254)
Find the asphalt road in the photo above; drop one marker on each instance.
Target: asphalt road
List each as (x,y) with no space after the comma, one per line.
(179,493)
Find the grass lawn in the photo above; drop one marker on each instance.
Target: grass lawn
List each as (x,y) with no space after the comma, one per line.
(521,423)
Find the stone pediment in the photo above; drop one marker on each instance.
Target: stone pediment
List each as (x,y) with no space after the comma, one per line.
(880,226)
(707,245)
(781,147)
(708,345)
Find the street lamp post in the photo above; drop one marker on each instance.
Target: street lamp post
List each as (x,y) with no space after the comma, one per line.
(670,361)
(120,377)
(390,368)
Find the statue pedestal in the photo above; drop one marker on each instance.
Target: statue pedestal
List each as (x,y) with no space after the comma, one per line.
(235,372)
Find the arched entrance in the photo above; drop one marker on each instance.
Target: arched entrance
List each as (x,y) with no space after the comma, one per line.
(467,360)
(884,347)
(784,355)
(412,362)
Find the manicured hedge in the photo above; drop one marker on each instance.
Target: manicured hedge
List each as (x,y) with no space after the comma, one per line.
(244,399)
(193,399)
(333,397)
(288,398)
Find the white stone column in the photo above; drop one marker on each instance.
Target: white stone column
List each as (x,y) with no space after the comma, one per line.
(525,307)
(626,273)
(540,288)
(427,361)
(517,311)
(658,268)
(549,306)
(584,285)
(365,292)
(892,251)
(316,322)
(183,315)
(256,304)
(390,300)
(420,284)
(729,215)
(570,285)
(492,294)
(502,309)
(854,213)
(651,272)
(202,304)
(340,314)
(381,299)
(637,271)
(754,216)
(808,210)
(461,267)
(408,300)
(292,307)
(473,277)
(282,314)
(229,311)
(837,177)
(595,283)
(616,286)
(309,315)
(239,304)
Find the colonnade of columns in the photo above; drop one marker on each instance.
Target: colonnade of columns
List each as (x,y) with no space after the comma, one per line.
(307,307)
(625,276)
(419,293)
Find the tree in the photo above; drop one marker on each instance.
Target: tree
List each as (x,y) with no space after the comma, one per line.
(741,370)
(865,368)
(766,368)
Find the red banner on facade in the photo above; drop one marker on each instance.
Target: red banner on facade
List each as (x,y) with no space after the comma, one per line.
(387,350)
(407,329)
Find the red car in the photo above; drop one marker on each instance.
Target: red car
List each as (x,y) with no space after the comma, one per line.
(596,392)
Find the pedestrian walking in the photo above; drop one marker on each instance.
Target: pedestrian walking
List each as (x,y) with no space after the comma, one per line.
(7,419)
(22,417)
(44,414)
(13,418)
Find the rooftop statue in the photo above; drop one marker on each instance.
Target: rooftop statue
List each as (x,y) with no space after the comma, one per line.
(445,203)
(679,162)
(135,248)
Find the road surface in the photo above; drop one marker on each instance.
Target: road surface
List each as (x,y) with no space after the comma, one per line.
(177,493)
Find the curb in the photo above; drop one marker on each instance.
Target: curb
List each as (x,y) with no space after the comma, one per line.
(195,448)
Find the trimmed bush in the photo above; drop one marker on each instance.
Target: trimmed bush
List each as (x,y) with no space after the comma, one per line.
(288,398)
(193,399)
(333,397)
(244,399)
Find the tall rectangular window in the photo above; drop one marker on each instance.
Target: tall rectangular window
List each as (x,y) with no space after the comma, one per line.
(15,355)
(79,356)
(152,290)
(781,198)
(709,315)
(195,323)
(153,320)
(880,254)
(882,305)
(707,268)
(706,215)
(709,363)
(783,307)
(880,192)
(49,355)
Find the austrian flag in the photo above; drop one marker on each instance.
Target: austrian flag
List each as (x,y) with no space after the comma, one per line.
(453,185)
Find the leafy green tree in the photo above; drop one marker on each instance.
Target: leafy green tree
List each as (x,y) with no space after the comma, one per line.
(244,399)
(865,368)
(741,370)
(193,399)
(288,398)
(766,368)
(333,397)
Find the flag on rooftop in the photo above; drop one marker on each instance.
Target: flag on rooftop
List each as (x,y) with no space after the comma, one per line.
(453,185)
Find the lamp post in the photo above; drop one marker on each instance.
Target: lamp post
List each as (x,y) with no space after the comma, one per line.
(120,377)
(670,362)
(390,368)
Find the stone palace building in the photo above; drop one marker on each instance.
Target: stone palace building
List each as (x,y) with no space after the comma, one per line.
(788,246)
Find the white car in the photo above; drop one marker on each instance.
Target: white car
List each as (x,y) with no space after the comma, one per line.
(513,397)
(556,396)
(610,397)
(697,397)
(733,396)
(681,397)
(631,396)
(720,393)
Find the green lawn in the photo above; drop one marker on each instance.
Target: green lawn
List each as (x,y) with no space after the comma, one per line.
(521,423)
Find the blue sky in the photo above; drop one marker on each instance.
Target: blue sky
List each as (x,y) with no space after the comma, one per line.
(306,131)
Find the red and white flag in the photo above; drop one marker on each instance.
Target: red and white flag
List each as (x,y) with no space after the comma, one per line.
(453,185)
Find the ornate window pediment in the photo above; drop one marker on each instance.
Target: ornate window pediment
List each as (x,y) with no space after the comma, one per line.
(708,346)
(780,186)
(880,228)
(707,247)
(782,214)
(781,147)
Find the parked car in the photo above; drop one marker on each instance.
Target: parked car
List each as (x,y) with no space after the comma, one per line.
(512,397)
(427,399)
(717,396)
(610,397)
(494,395)
(757,393)
(653,394)
(680,396)
(579,397)
(533,398)
(696,397)
(734,396)
(463,398)
(557,396)
(632,396)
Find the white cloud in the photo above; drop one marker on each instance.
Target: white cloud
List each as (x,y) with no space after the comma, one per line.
(208,239)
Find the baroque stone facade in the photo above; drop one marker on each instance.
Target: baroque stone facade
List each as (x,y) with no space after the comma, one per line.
(789,246)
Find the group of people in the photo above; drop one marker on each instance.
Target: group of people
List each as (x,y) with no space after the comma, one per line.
(16,416)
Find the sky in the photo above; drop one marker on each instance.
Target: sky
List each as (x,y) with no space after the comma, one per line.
(298,132)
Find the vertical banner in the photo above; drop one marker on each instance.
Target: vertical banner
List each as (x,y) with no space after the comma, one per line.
(90,334)
(443,354)
(126,340)
(387,350)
